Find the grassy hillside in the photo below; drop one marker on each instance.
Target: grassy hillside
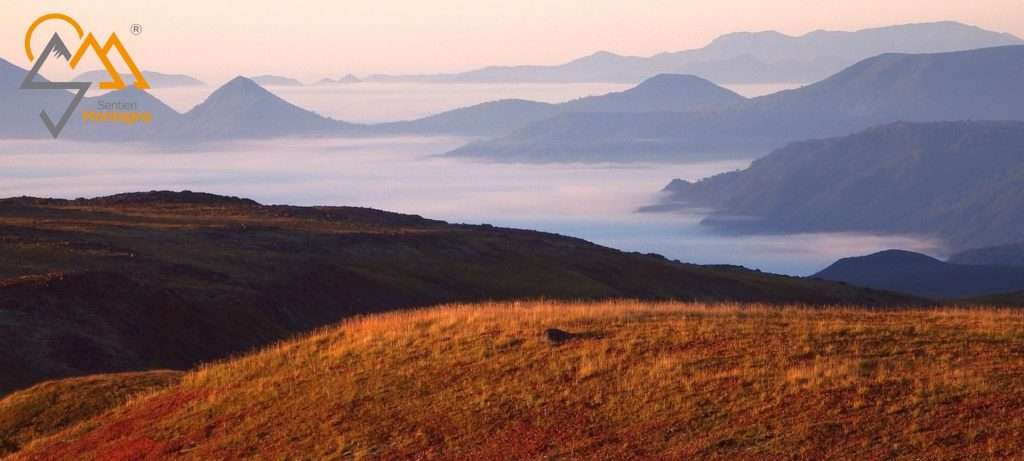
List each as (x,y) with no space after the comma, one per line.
(51,406)
(637,381)
(169,280)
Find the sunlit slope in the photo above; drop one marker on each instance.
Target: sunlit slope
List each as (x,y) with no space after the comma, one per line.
(49,407)
(637,381)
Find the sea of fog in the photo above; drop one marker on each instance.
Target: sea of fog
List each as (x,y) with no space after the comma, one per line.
(596,202)
(369,102)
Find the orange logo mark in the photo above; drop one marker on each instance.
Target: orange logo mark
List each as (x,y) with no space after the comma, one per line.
(90,42)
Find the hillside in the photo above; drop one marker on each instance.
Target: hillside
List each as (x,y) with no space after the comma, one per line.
(51,406)
(167,280)
(635,381)
(744,57)
(982,84)
(955,181)
(922,275)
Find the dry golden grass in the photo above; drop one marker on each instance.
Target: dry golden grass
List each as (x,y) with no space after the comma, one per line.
(641,381)
(49,407)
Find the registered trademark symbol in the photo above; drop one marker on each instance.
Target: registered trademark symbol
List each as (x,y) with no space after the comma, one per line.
(136,29)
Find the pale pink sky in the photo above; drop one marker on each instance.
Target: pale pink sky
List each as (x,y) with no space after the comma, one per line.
(215,39)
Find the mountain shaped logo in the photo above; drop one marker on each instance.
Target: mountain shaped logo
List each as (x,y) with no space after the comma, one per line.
(57,48)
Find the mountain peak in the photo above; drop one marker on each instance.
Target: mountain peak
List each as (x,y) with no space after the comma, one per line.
(684,86)
(240,88)
(241,82)
(597,57)
(241,107)
(673,80)
(898,256)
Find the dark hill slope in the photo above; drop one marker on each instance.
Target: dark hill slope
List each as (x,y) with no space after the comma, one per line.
(167,280)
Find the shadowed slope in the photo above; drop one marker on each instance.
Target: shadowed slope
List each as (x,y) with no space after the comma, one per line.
(167,280)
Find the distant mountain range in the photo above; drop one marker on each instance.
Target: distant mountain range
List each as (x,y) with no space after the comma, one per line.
(661,93)
(667,117)
(983,84)
(922,275)
(240,109)
(243,109)
(347,79)
(155,79)
(744,57)
(956,181)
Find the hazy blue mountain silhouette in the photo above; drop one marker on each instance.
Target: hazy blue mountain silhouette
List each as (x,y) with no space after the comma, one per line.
(679,93)
(745,57)
(275,80)
(665,92)
(981,84)
(155,79)
(922,275)
(955,181)
(240,109)
(668,116)
(243,109)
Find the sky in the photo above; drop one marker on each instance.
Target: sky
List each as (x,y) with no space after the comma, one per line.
(218,39)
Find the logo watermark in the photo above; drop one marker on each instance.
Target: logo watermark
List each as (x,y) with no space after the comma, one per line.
(57,47)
